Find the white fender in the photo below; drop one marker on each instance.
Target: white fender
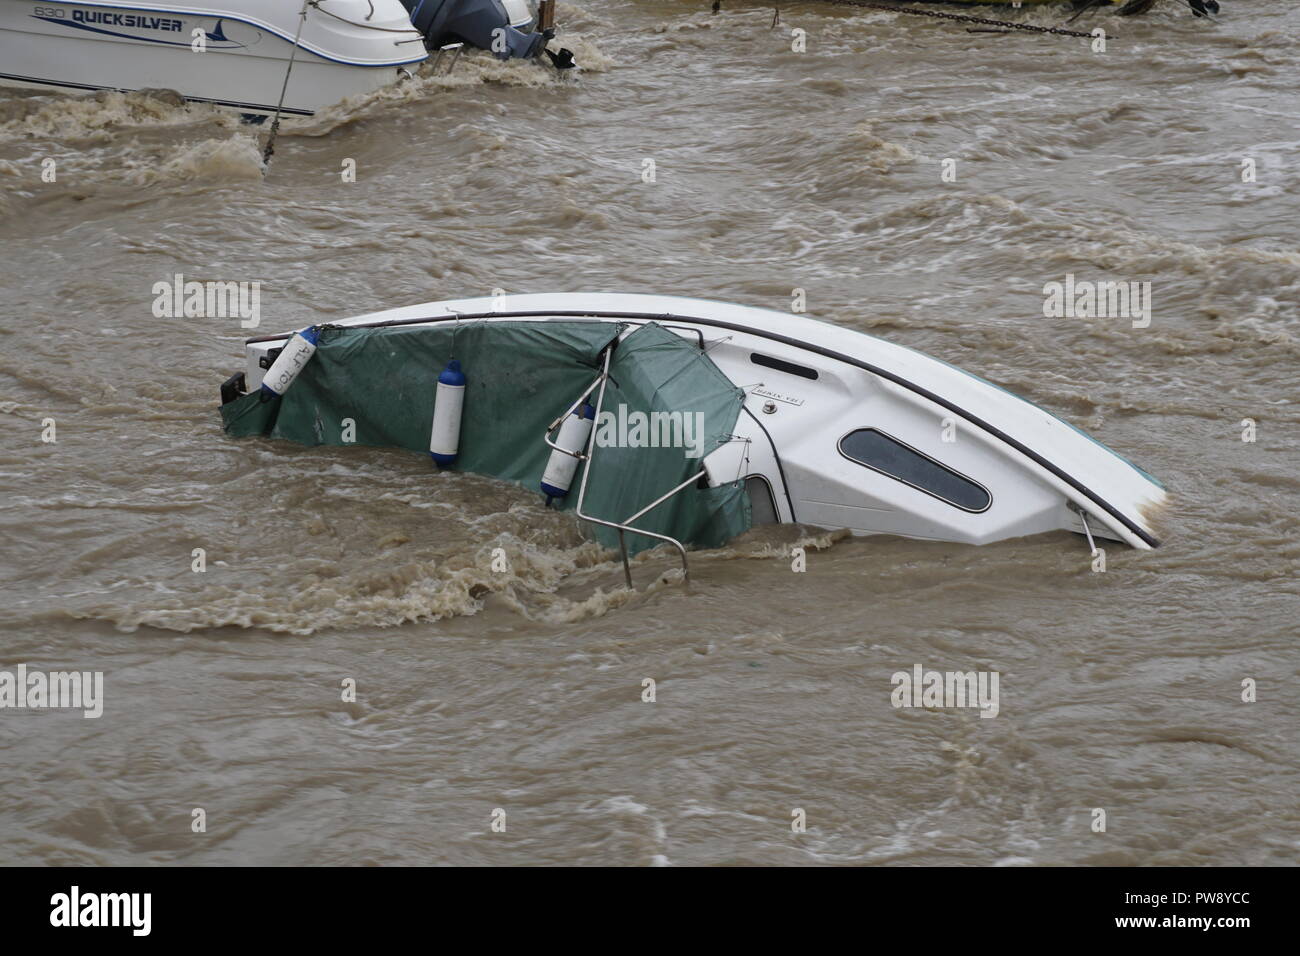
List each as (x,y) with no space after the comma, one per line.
(293,358)
(448,403)
(560,468)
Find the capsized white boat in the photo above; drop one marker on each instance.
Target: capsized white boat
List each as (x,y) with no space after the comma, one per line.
(835,428)
(237,53)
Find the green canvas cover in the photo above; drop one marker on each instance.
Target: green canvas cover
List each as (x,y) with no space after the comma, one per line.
(520,377)
(657,372)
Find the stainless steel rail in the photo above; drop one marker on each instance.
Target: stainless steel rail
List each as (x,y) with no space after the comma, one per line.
(625,526)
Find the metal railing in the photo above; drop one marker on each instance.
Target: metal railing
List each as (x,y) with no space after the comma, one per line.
(625,526)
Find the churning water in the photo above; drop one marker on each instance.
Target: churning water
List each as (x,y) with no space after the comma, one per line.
(821,170)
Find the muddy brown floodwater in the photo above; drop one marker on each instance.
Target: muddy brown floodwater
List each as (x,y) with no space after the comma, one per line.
(476,690)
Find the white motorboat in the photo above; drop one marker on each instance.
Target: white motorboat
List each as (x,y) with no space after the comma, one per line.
(237,53)
(832,427)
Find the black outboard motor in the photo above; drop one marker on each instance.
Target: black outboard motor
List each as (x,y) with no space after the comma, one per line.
(486,24)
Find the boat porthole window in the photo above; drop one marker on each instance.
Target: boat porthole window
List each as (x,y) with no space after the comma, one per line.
(891,457)
(762,503)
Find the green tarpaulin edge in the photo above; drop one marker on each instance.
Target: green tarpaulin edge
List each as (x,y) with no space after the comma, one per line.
(521,376)
(657,372)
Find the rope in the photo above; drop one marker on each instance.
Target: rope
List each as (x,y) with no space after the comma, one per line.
(302,19)
(962,18)
(275,126)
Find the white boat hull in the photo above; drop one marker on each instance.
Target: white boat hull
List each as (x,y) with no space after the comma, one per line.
(992,465)
(246,48)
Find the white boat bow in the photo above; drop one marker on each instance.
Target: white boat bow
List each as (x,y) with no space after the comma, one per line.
(845,430)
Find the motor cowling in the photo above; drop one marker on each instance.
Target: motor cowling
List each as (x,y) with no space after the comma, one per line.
(502,27)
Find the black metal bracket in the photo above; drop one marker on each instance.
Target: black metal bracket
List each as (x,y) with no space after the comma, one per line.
(232,388)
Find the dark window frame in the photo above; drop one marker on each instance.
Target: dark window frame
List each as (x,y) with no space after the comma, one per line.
(771,494)
(784,365)
(839,446)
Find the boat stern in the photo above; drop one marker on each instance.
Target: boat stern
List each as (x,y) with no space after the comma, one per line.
(505,28)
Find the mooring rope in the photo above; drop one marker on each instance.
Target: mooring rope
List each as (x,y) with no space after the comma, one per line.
(302,19)
(275,126)
(961,18)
